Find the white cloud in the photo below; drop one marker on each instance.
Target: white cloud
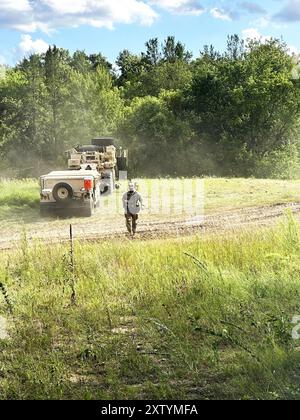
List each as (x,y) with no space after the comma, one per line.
(220,14)
(66,6)
(16,5)
(253,34)
(182,7)
(47,15)
(28,46)
(268,22)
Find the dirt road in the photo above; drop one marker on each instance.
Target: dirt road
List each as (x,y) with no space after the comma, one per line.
(104,227)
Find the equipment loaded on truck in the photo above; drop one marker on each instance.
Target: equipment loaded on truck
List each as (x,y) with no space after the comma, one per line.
(93,171)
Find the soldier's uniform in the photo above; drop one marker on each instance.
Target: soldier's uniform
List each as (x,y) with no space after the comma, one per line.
(132,204)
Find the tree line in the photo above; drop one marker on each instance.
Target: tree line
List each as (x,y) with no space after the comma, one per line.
(234,113)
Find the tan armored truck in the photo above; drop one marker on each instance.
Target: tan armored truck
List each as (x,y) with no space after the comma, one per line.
(93,171)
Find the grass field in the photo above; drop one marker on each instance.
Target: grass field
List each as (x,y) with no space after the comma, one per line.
(19,199)
(204,318)
(151,321)
(226,194)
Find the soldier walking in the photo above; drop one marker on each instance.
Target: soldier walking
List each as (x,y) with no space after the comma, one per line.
(132,204)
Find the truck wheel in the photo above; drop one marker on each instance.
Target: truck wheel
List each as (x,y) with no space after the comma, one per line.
(62,192)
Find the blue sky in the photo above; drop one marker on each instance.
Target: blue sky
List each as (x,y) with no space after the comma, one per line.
(109,26)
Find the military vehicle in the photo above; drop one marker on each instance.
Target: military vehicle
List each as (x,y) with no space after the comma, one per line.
(93,172)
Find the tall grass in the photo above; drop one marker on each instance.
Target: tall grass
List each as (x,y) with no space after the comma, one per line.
(194,318)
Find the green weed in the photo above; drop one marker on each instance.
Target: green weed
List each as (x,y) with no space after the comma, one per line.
(193,318)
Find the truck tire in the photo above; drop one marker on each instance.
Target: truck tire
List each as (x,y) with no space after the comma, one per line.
(62,192)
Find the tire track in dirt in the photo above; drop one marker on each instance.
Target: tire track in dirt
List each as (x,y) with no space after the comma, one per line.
(220,222)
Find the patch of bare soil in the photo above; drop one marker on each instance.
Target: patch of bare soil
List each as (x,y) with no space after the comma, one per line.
(101,227)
